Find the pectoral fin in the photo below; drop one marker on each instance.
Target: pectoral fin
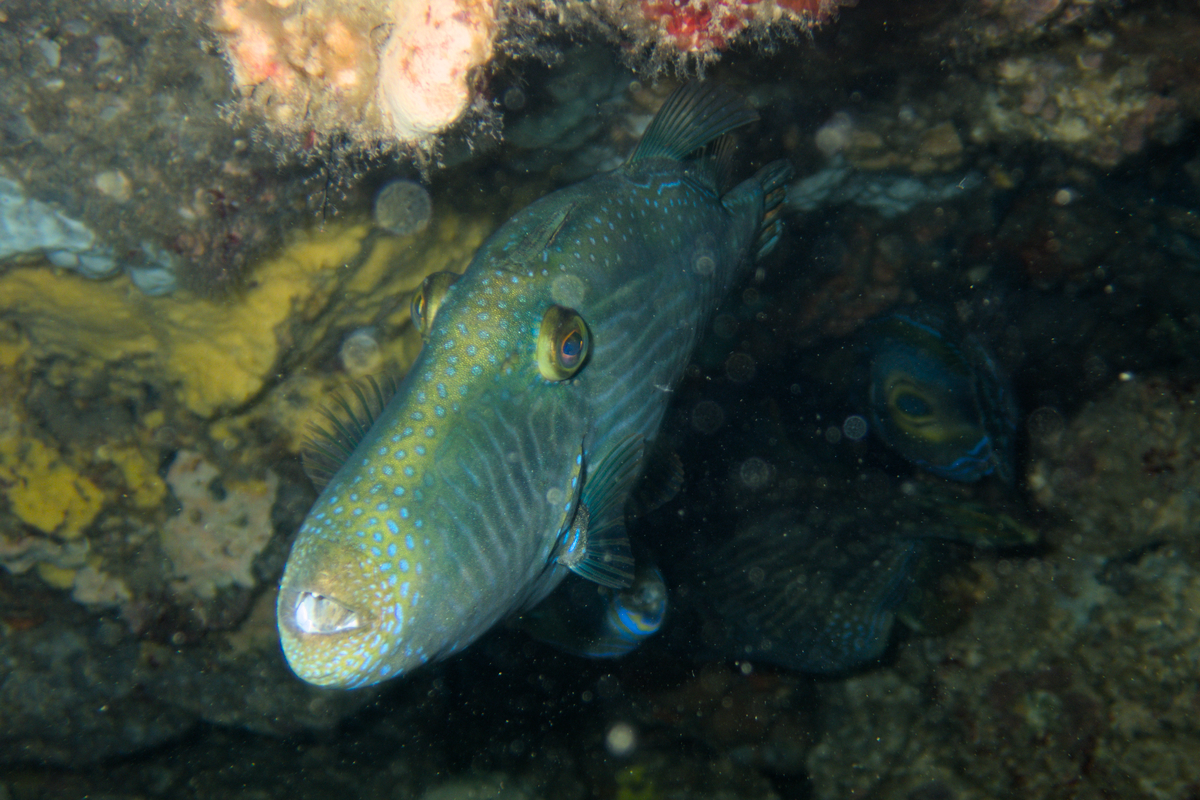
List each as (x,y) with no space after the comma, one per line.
(595,545)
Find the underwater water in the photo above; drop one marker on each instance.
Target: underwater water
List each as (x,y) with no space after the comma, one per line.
(918,520)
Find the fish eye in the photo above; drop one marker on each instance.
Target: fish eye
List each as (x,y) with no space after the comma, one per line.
(316,613)
(428,299)
(563,342)
(911,404)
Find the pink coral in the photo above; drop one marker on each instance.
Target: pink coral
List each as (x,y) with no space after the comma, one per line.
(706,26)
(425,68)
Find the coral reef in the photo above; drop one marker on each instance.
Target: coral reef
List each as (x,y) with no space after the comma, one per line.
(185,557)
(218,356)
(1090,692)
(1126,469)
(704,27)
(30,228)
(1086,695)
(118,155)
(1031,165)
(79,688)
(1087,98)
(219,530)
(316,67)
(887,193)
(991,24)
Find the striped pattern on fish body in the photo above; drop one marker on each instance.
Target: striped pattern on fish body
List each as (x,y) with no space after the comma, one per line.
(488,475)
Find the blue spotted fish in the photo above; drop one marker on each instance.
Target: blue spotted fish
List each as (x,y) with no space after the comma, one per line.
(821,591)
(505,457)
(939,399)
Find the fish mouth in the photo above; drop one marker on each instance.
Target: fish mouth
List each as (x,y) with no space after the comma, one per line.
(308,612)
(316,613)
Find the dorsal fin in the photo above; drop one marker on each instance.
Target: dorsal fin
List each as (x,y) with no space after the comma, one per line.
(694,115)
(346,423)
(720,155)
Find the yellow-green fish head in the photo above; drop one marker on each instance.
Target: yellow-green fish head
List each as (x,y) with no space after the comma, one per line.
(449,510)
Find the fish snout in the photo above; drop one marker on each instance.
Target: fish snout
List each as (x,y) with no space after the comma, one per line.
(323,633)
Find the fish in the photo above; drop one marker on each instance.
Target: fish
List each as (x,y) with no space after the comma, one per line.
(822,593)
(592,621)
(939,399)
(504,459)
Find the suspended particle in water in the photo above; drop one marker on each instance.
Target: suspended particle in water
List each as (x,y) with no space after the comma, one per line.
(403,208)
(707,417)
(755,473)
(621,739)
(833,434)
(360,354)
(854,428)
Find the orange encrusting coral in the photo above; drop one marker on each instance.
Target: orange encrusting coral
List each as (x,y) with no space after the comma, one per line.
(306,64)
(319,67)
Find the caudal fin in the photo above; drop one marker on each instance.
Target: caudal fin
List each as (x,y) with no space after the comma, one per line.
(773,178)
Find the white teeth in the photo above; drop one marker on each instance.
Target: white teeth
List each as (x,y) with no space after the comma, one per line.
(315,613)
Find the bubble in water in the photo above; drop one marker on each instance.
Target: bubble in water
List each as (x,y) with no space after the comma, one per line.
(835,135)
(360,354)
(755,473)
(725,326)
(1094,369)
(707,417)
(402,208)
(855,427)
(1045,425)
(514,99)
(740,368)
(567,290)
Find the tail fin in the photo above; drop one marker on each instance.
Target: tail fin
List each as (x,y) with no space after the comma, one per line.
(774,179)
